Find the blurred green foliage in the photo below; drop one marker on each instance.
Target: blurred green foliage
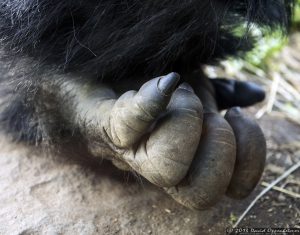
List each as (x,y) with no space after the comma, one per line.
(297,13)
(268,43)
(266,47)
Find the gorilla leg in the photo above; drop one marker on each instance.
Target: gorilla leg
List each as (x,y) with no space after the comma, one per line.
(160,131)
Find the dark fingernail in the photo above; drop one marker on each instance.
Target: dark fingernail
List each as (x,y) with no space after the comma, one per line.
(168,83)
(186,86)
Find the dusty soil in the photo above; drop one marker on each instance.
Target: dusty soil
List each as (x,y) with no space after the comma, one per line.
(54,195)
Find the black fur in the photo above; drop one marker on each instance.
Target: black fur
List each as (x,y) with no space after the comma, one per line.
(117,39)
(136,35)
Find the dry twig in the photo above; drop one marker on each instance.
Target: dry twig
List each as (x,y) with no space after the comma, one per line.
(283,176)
(282,190)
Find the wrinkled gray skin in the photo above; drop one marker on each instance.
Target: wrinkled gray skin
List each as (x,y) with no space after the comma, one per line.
(174,137)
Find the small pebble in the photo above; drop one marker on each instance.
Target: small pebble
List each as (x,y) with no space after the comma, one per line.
(168,211)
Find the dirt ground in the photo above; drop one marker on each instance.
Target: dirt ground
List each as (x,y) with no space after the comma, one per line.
(53,195)
(42,194)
